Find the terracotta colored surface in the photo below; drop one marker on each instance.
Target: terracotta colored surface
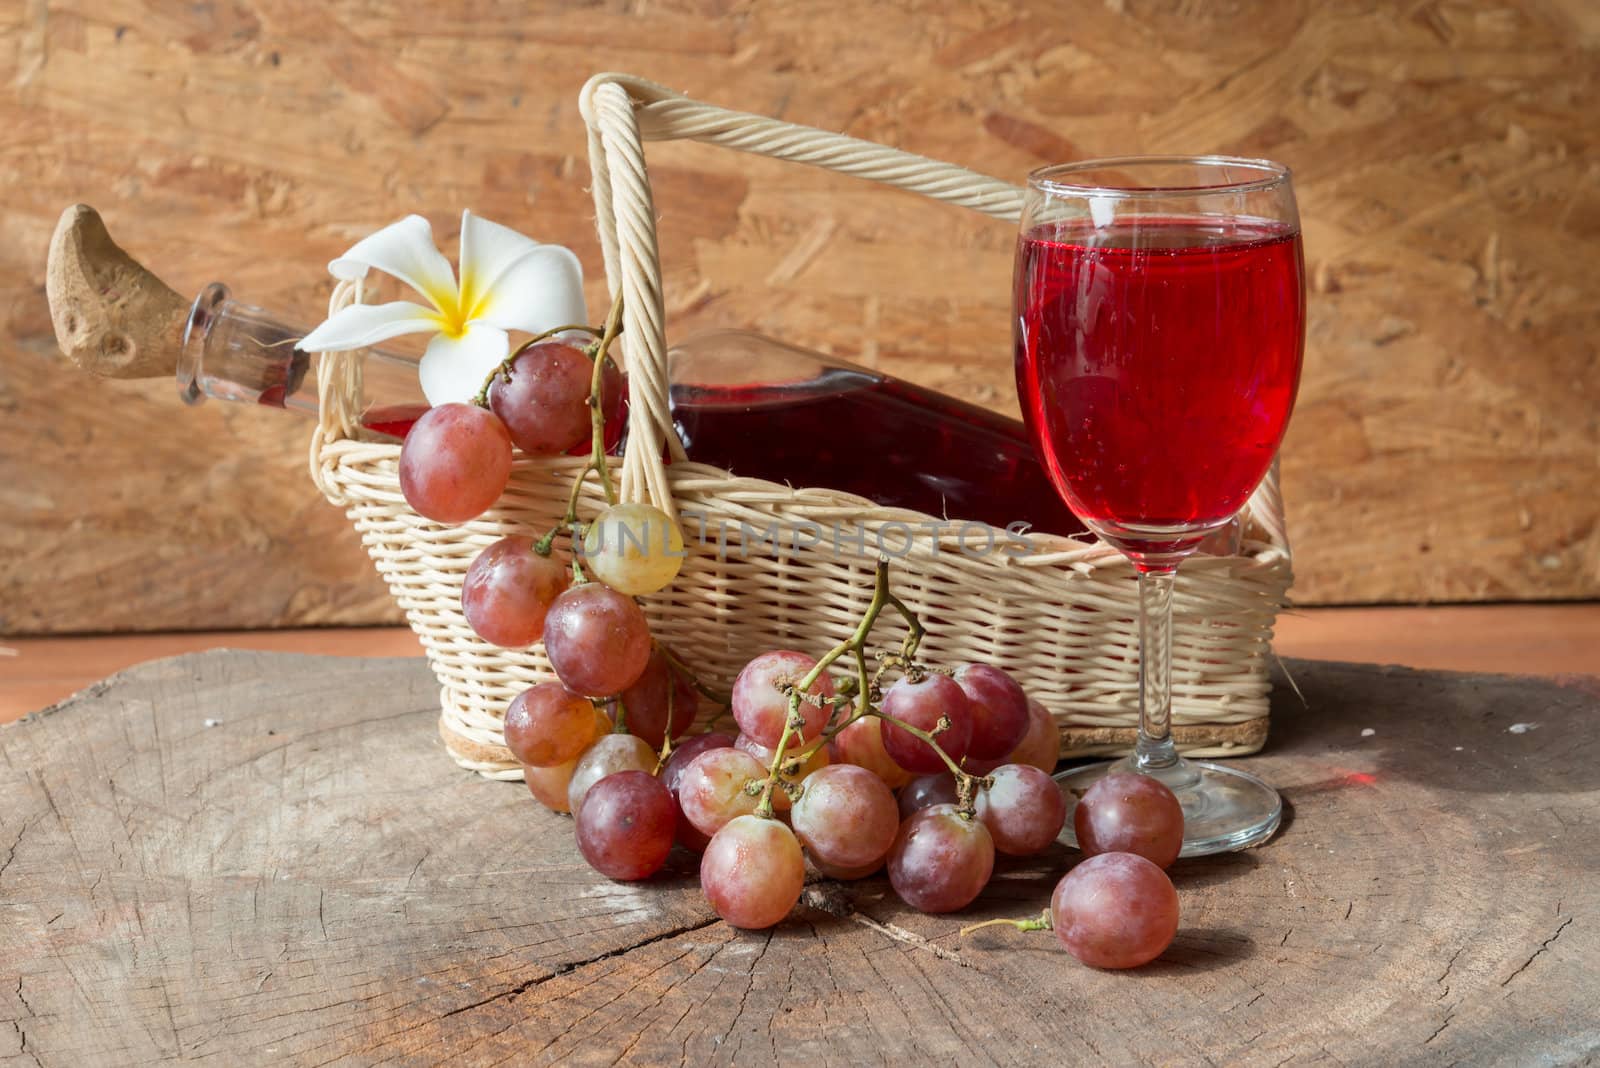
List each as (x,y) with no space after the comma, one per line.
(1519,639)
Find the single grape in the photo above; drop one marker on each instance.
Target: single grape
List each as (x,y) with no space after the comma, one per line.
(455,463)
(760,706)
(645,702)
(1130,813)
(597,640)
(689,835)
(626,826)
(508,591)
(846,817)
(549,785)
(940,861)
(634,548)
(1023,809)
(763,755)
(999,710)
(925,791)
(610,754)
(712,790)
(753,872)
(861,744)
(545,403)
(1115,910)
(548,724)
(1041,746)
(922,704)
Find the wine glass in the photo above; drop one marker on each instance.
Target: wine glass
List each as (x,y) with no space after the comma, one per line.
(1160,320)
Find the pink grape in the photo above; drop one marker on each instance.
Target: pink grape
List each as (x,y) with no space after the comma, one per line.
(508,591)
(607,756)
(861,744)
(1023,809)
(925,791)
(922,704)
(940,861)
(1041,746)
(455,463)
(545,403)
(1115,910)
(672,771)
(597,640)
(712,790)
(846,817)
(763,755)
(753,872)
(626,825)
(549,785)
(684,753)
(999,710)
(760,706)
(645,702)
(548,725)
(1130,813)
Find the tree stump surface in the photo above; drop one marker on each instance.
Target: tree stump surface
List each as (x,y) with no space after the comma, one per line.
(309,880)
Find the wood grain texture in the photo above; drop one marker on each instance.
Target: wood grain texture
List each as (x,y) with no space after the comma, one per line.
(1446,446)
(311,881)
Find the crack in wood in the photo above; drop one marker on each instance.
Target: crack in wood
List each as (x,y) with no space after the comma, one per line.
(1536,953)
(744,997)
(22,1035)
(572,966)
(1450,1014)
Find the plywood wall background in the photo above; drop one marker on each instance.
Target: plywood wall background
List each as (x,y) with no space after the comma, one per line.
(1446,446)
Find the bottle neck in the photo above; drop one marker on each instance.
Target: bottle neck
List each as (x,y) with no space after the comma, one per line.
(237,352)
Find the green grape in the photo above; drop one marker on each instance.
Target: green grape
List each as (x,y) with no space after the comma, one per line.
(634,548)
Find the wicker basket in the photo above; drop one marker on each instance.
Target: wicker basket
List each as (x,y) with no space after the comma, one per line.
(1062,619)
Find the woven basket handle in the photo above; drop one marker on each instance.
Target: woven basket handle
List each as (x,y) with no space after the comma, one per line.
(622,112)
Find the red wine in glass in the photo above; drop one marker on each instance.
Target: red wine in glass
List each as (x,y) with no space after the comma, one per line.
(1160,322)
(1158,363)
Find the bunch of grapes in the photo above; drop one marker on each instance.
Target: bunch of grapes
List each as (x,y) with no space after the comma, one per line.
(928,777)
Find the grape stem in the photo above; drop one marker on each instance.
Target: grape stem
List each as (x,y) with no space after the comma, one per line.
(503,368)
(864,686)
(597,430)
(597,414)
(1040,922)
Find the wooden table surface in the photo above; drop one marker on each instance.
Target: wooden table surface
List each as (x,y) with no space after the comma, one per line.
(243,857)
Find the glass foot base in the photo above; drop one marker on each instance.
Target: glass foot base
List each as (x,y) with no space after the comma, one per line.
(1223,809)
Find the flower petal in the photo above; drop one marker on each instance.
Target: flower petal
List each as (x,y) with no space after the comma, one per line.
(541,290)
(406,250)
(454,368)
(487,249)
(360,325)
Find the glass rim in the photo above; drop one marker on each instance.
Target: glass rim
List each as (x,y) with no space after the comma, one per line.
(1045,179)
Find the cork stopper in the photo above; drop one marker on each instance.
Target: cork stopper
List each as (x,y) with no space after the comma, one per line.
(112,317)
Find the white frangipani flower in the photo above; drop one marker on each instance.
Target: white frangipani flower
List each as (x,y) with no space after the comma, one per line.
(508,282)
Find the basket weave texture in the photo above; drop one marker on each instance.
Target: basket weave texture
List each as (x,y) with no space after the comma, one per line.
(1063,619)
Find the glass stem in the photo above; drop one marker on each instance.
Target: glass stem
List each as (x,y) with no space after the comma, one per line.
(1155,749)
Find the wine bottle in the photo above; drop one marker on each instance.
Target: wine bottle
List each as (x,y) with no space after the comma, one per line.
(740,401)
